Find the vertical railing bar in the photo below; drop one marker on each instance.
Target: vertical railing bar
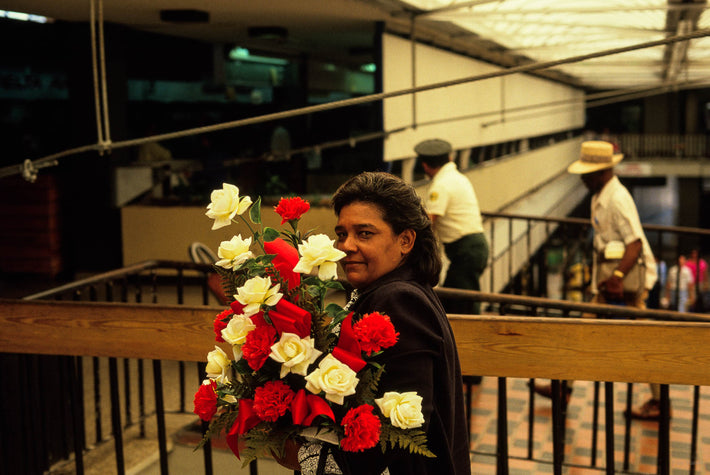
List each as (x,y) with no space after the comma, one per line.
(78,374)
(116,416)
(531,417)
(492,256)
(141,370)
(64,388)
(126,363)
(664,433)
(141,398)
(557,436)
(694,430)
(510,255)
(502,432)
(80,395)
(627,426)
(160,416)
(154,286)
(207,447)
(97,399)
(30,383)
(127,391)
(528,258)
(77,410)
(609,426)
(181,364)
(595,425)
(205,289)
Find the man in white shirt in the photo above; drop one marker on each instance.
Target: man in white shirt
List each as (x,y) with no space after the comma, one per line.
(452,205)
(619,240)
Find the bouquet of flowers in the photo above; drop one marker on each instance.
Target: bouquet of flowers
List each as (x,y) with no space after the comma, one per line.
(299,367)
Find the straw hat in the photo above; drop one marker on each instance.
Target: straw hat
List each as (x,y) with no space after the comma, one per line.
(595,155)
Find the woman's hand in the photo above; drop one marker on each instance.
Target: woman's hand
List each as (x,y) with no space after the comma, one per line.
(290,456)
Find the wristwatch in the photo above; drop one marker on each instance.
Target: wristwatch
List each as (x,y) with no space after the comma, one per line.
(618,273)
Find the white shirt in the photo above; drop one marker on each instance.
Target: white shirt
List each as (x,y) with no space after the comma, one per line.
(686,278)
(451,197)
(615,218)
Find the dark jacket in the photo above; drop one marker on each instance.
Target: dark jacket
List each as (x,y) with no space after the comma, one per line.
(424,360)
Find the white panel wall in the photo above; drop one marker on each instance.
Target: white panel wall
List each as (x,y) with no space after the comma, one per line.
(478,104)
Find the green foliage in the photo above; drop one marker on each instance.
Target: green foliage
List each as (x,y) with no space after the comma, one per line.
(262,441)
(255,211)
(367,387)
(270,234)
(219,423)
(412,440)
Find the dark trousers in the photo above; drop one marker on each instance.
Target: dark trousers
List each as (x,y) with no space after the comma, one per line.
(468,258)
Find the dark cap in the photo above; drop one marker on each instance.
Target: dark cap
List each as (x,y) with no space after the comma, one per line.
(433,148)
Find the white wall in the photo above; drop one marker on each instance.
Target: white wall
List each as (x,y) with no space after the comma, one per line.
(476,98)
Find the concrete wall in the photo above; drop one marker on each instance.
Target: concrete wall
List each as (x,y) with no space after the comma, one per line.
(533,183)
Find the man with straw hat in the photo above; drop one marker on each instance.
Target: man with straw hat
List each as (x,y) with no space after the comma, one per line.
(624,269)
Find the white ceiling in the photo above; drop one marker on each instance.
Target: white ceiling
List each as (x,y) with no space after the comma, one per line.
(508,32)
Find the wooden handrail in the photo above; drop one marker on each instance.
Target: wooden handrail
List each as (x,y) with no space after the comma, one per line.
(526,347)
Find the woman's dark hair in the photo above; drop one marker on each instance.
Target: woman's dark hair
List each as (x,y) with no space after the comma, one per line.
(402,209)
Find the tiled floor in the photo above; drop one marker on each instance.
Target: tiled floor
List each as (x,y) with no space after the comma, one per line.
(578,445)
(578,427)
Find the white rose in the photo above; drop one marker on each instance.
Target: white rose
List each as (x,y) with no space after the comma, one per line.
(228,398)
(234,252)
(294,353)
(404,410)
(256,292)
(237,329)
(334,378)
(217,365)
(318,250)
(225,204)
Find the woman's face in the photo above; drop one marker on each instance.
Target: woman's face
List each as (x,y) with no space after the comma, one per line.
(372,248)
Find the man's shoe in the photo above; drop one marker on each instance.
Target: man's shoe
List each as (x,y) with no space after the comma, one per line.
(545,390)
(649,411)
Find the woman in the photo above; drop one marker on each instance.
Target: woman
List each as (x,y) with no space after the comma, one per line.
(392,262)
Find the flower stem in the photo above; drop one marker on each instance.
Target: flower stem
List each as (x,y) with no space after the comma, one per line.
(257,236)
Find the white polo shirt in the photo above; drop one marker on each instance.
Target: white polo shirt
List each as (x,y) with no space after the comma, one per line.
(615,218)
(451,197)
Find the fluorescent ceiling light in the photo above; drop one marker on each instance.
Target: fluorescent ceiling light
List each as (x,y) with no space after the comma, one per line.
(242,54)
(24,17)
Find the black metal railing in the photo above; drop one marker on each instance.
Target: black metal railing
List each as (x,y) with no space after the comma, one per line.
(168,282)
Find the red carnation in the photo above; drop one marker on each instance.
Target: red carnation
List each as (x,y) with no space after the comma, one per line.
(220,323)
(375,332)
(272,400)
(291,208)
(257,346)
(206,401)
(362,429)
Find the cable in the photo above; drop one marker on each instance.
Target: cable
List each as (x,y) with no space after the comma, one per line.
(373,97)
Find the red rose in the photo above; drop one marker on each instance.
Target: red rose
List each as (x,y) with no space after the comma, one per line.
(362,429)
(291,208)
(375,332)
(206,401)
(257,346)
(220,323)
(272,400)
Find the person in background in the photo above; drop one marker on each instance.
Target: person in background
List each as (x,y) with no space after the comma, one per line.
(656,292)
(618,237)
(679,292)
(699,269)
(453,209)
